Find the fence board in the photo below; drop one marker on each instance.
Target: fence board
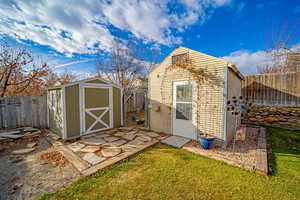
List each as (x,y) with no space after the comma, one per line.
(273,89)
(23,111)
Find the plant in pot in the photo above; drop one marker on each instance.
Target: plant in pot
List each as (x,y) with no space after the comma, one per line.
(206,140)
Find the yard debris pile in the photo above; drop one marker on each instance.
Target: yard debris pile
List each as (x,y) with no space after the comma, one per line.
(54,157)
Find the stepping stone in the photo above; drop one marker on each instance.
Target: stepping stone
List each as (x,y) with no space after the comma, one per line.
(111,138)
(93,158)
(30,145)
(175,141)
(132,132)
(57,143)
(93,141)
(135,143)
(38,132)
(30,129)
(102,135)
(120,134)
(53,136)
(127,128)
(152,134)
(90,149)
(23,151)
(76,146)
(144,138)
(11,136)
(111,131)
(143,128)
(110,152)
(129,136)
(116,143)
(128,148)
(88,136)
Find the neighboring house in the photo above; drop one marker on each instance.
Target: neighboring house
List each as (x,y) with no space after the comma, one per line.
(84,107)
(182,104)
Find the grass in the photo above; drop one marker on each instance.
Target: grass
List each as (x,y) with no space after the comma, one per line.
(163,172)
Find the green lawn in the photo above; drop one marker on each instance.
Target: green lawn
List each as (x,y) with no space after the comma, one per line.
(162,172)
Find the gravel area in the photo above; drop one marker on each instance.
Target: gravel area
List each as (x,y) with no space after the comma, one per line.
(244,153)
(28,175)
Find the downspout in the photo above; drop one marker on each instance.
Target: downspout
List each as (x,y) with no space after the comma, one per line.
(225,105)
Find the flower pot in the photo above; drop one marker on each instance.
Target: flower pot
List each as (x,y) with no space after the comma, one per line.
(206,141)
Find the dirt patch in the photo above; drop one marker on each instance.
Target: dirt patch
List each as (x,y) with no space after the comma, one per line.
(29,175)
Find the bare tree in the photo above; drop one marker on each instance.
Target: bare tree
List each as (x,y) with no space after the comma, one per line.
(284,58)
(54,78)
(19,70)
(125,65)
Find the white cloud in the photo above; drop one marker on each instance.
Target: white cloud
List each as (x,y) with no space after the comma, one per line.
(247,62)
(81,26)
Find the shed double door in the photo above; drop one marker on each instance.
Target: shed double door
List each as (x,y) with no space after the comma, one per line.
(96,109)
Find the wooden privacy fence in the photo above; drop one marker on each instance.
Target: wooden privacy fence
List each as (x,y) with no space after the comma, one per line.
(135,101)
(23,111)
(273,89)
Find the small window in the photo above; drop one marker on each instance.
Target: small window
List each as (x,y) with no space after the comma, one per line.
(180,59)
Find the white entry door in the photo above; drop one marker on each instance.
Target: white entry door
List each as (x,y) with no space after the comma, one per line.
(96,108)
(184,109)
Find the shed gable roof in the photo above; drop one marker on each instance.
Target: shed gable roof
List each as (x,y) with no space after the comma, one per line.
(85,81)
(227,64)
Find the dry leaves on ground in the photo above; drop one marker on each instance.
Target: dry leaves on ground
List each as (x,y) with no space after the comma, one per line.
(54,157)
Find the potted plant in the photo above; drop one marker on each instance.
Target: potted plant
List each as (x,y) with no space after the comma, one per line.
(206,140)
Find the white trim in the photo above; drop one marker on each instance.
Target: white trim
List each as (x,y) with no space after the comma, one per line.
(194,104)
(111,108)
(225,103)
(96,85)
(91,109)
(98,119)
(84,111)
(64,112)
(86,80)
(81,108)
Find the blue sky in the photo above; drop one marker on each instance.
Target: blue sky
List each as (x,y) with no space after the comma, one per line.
(70,34)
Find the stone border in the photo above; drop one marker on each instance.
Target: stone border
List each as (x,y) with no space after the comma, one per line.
(211,155)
